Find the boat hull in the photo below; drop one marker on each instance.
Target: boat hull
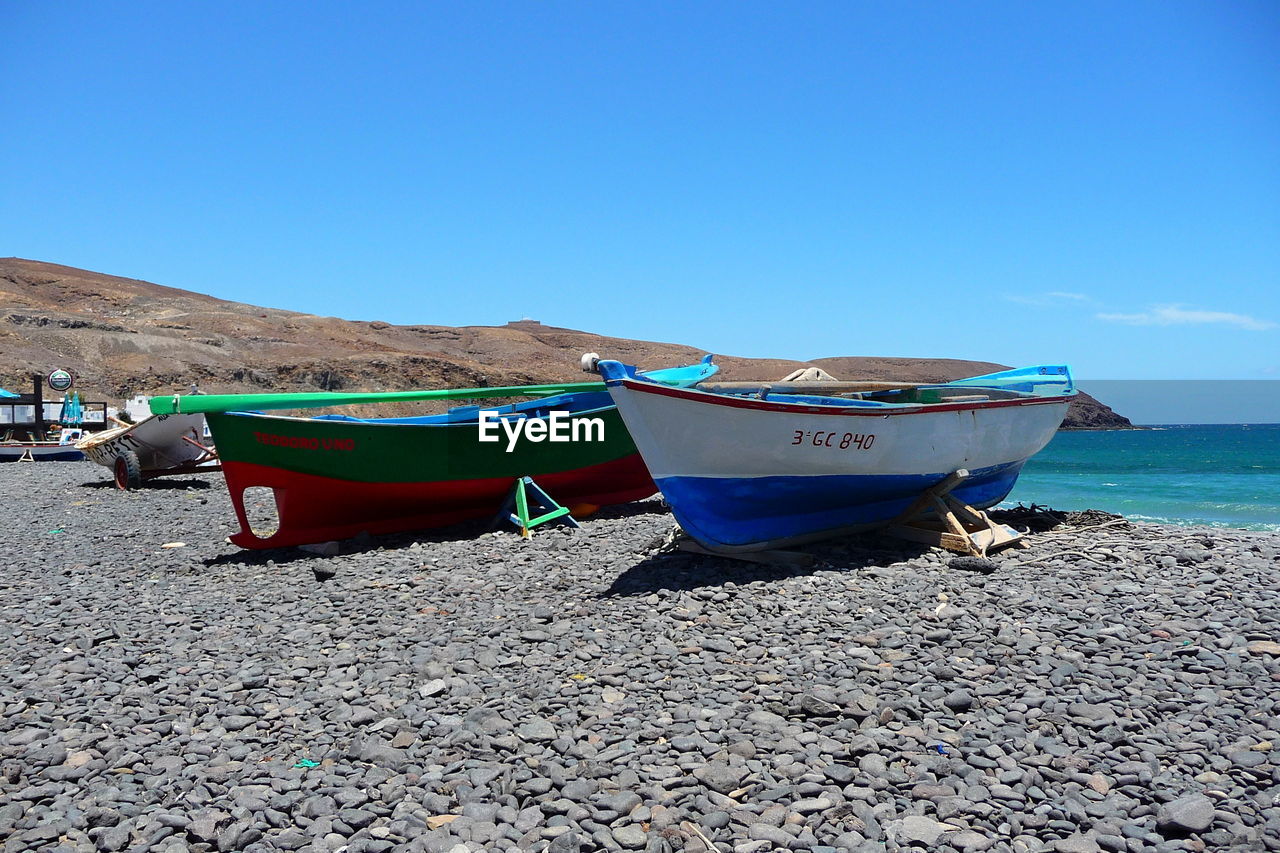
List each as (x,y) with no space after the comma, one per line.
(313,508)
(730,514)
(333,479)
(744,474)
(158,442)
(40,453)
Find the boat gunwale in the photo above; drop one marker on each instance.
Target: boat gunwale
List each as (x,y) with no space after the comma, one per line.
(782,405)
(388,422)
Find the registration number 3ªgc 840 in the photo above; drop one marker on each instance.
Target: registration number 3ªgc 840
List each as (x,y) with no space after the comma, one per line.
(841,440)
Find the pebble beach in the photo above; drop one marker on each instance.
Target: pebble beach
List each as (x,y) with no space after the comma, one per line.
(1113,687)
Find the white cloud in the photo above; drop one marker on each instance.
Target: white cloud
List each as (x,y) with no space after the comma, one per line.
(1048,300)
(1178,315)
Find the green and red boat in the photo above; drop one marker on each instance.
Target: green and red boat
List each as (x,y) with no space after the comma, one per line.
(334,476)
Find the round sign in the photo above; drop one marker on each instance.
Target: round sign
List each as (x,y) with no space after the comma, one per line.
(60,380)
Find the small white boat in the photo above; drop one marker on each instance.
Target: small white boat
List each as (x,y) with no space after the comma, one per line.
(62,450)
(153,447)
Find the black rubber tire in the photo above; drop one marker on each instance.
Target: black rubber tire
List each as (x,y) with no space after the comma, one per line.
(128,471)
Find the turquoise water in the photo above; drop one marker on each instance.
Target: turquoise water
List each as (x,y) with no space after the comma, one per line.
(1220,475)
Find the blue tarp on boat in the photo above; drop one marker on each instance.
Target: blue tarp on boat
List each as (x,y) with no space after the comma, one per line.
(4,393)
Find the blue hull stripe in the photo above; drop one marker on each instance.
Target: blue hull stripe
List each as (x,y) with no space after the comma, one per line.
(10,454)
(736,511)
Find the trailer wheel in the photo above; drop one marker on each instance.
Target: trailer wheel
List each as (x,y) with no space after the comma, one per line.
(128,471)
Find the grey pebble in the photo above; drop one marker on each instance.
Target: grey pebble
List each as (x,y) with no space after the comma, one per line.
(537,730)
(1192,813)
(629,837)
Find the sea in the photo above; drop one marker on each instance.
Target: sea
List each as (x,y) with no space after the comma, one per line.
(1225,475)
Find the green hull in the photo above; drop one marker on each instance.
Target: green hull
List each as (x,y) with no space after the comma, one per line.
(398,453)
(335,479)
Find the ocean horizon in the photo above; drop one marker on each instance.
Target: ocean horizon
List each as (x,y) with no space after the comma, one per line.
(1217,475)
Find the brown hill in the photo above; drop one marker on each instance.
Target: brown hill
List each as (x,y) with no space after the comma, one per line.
(121,337)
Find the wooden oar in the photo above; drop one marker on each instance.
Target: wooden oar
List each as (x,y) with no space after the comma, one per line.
(191,404)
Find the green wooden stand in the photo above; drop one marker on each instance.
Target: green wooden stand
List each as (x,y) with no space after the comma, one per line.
(524,493)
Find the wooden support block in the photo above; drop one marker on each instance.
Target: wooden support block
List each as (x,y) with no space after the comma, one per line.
(956,526)
(925,501)
(943,509)
(968,514)
(952,480)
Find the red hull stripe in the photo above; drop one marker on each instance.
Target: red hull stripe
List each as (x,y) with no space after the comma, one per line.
(314,508)
(843,411)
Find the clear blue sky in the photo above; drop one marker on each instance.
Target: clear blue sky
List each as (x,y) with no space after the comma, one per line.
(1095,183)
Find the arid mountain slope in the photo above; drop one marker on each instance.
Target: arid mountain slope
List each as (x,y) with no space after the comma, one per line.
(122,336)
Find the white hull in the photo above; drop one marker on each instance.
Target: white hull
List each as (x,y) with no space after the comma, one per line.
(708,435)
(158,441)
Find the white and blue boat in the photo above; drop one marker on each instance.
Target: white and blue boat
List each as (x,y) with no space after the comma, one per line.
(63,450)
(751,468)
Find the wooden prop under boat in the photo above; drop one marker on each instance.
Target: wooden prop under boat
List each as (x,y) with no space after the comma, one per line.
(334,477)
(749,471)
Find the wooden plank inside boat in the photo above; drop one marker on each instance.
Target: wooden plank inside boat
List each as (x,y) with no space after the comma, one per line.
(860,386)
